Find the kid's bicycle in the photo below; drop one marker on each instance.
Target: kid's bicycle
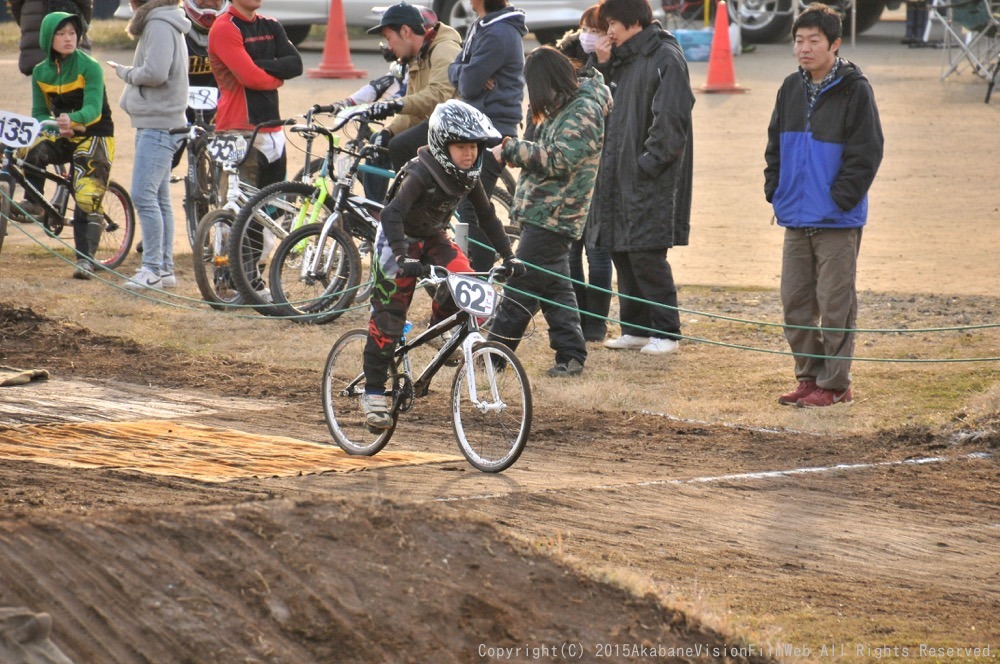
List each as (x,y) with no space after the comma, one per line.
(490,394)
(17,134)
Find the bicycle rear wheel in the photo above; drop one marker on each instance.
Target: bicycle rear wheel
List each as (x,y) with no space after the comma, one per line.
(6,191)
(493,430)
(320,297)
(251,244)
(211,260)
(343,385)
(119,231)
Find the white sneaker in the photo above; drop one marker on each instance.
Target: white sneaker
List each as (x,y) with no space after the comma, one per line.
(168,280)
(660,347)
(144,278)
(627,342)
(265,295)
(376,410)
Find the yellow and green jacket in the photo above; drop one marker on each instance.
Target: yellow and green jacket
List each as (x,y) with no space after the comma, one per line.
(73,85)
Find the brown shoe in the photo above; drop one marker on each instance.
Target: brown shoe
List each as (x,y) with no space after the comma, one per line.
(821,398)
(805,388)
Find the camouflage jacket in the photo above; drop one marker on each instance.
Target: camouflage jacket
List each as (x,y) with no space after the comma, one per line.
(559,167)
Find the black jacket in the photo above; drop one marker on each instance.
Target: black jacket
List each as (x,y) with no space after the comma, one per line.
(642,198)
(422,203)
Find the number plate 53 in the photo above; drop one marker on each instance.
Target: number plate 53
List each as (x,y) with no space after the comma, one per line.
(472,295)
(227,148)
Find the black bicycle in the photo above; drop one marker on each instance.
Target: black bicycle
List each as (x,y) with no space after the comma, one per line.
(17,133)
(491,404)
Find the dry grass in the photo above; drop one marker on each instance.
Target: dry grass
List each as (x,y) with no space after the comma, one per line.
(703,382)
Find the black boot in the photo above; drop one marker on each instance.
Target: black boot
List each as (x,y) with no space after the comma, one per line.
(595,327)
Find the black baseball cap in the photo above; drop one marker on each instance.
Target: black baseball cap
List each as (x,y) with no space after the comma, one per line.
(400,15)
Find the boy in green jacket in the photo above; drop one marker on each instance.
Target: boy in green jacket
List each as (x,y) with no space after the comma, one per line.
(68,87)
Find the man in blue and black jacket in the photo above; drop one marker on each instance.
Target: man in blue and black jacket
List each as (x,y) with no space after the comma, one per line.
(824,148)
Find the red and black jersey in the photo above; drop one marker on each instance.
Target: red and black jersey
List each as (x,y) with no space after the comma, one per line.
(251,59)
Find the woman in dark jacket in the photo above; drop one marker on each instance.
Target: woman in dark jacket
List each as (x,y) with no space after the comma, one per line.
(594,300)
(28,14)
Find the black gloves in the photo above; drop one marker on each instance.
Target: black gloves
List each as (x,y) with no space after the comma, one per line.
(381,139)
(409,267)
(514,267)
(380,110)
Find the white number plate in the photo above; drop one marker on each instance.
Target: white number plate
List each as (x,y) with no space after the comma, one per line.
(203,98)
(472,295)
(18,131)
(227,148)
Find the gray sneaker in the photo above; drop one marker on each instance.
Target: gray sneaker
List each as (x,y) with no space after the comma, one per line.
(168,280)
(565,369)
(84,269)
(376,410)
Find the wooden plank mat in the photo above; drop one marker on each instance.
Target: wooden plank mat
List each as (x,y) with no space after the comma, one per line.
(185,449)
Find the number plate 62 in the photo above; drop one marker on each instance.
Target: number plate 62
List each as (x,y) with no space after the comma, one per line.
(472,295)
(18,131)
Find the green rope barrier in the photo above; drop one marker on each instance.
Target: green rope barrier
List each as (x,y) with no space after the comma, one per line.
(786,326)
(769,351)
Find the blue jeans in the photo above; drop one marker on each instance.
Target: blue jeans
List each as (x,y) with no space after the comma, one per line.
(154,153)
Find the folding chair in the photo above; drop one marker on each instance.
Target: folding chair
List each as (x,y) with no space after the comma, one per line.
(971,34)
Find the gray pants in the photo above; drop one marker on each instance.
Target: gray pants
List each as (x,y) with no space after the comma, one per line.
(818,273)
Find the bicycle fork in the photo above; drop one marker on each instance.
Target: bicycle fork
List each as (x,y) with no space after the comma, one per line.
(495,404)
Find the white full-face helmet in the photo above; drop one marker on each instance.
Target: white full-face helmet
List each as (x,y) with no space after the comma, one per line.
(455,121)
(202,18)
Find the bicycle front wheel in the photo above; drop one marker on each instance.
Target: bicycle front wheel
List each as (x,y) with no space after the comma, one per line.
(368,271)
(318,296)
(260,226)
(202,196)
(491,425)
(119,227)
(211,260)
(343,385)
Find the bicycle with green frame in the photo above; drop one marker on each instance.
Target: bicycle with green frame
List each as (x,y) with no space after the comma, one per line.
(266,219)
(304,279)
(301,275)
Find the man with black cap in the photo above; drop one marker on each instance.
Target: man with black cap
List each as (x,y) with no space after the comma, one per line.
(427,54)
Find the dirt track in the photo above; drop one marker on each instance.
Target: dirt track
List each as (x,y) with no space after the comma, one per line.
(433,562)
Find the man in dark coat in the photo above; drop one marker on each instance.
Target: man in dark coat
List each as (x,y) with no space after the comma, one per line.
(642,200)
(28,15)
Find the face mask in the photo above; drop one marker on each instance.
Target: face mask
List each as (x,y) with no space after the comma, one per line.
(588,40)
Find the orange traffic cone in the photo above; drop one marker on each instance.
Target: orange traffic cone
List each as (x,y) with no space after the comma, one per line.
(721,74)
(336,55)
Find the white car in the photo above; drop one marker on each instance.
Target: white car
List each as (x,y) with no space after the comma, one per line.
(548,19)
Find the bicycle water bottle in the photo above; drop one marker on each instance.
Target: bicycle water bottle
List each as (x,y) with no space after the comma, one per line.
(407,326)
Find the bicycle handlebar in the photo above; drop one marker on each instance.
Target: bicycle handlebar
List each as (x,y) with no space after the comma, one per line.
(196,128)
(436,274)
